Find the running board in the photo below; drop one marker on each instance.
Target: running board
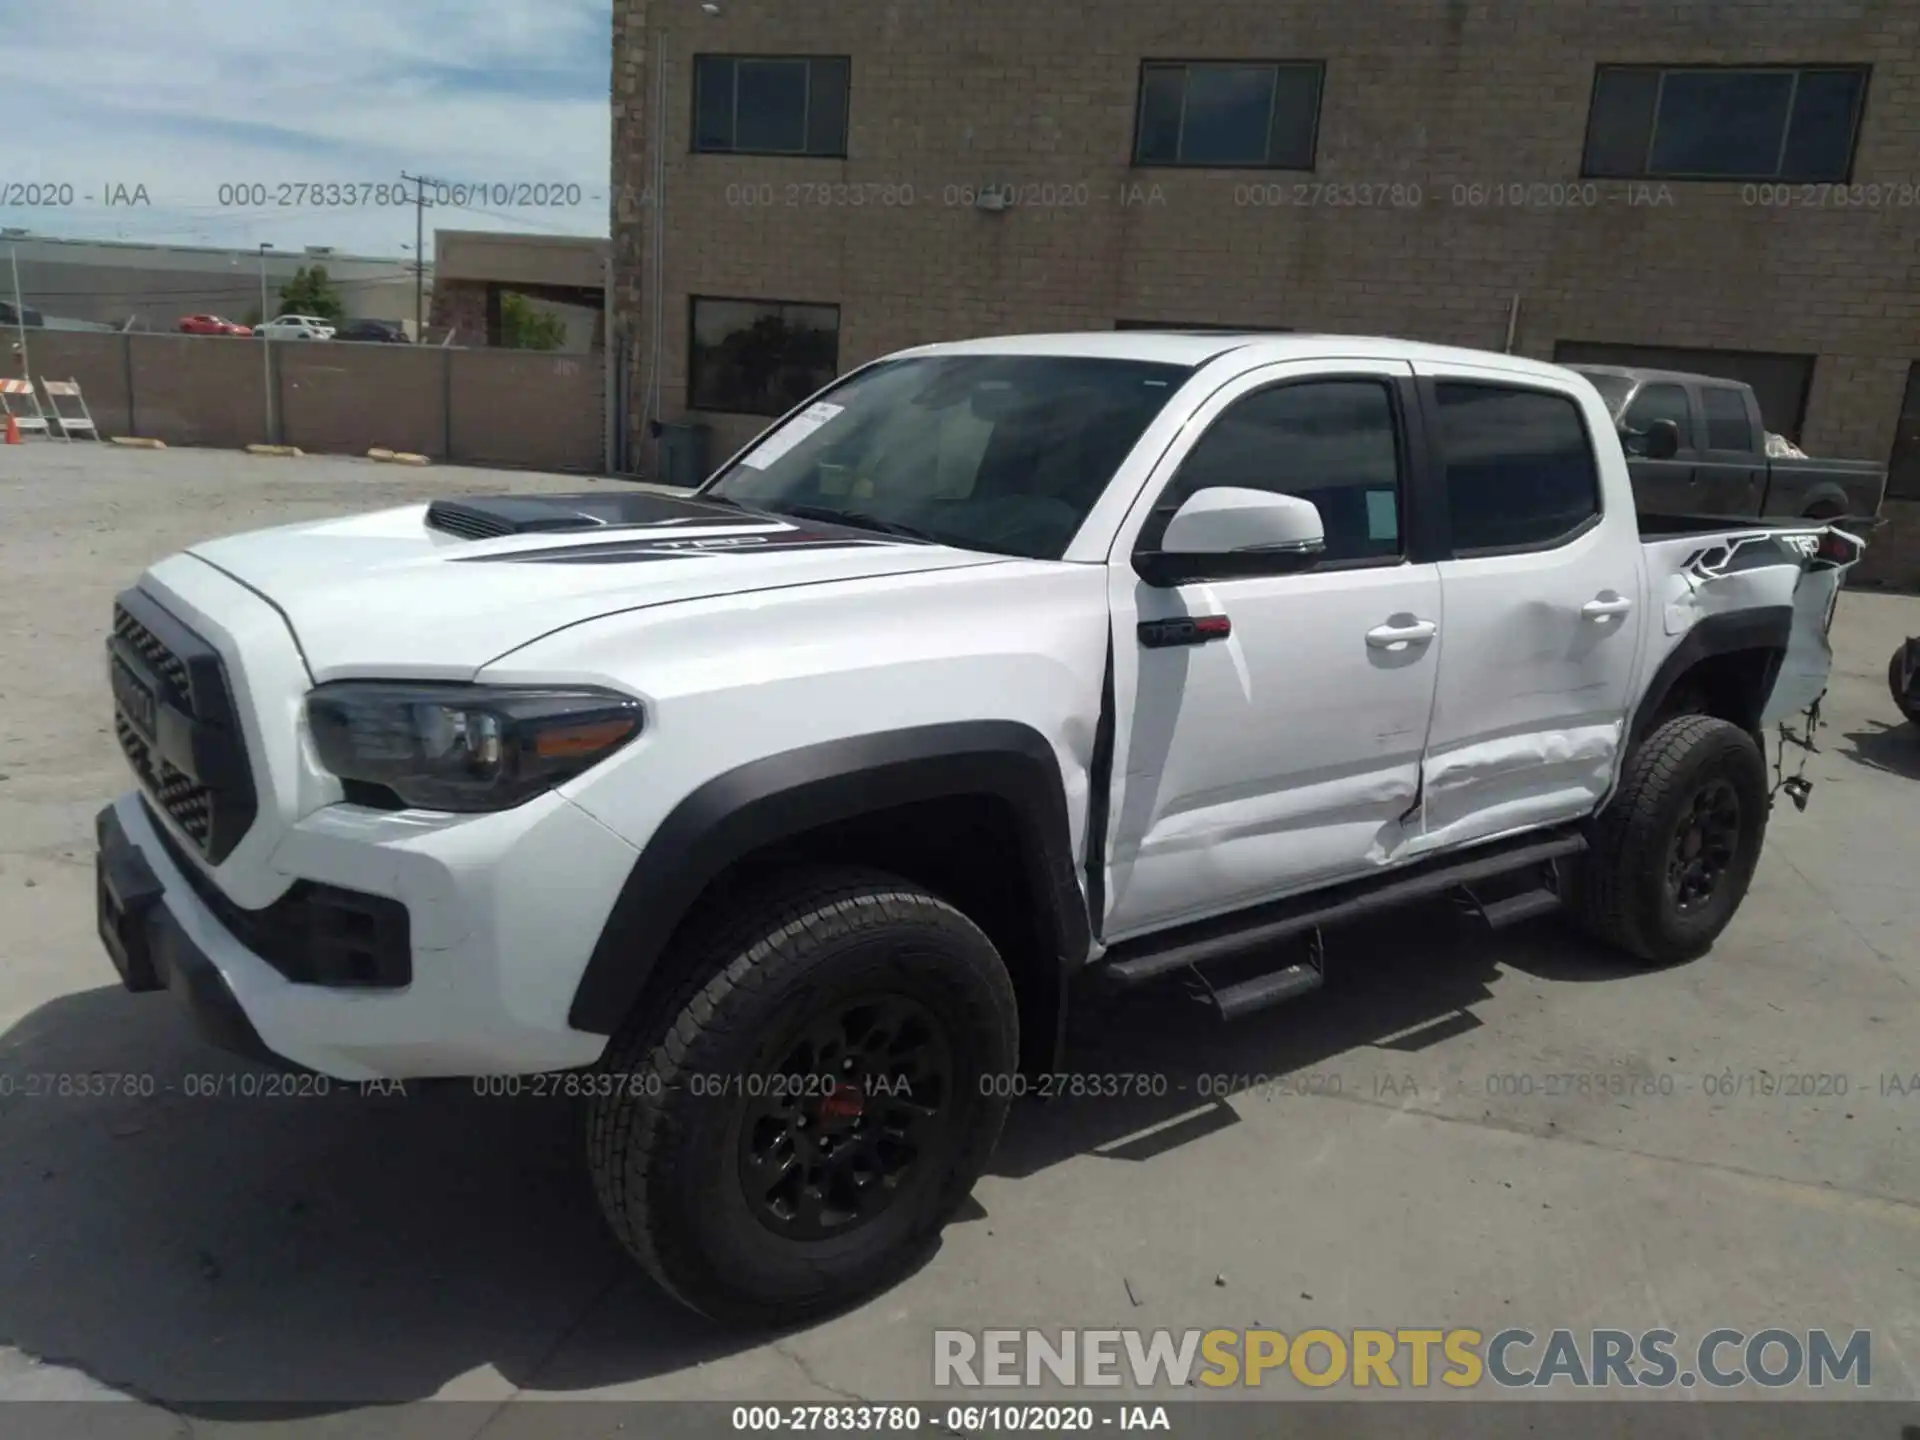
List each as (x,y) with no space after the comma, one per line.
(1137,962)
(1517,909)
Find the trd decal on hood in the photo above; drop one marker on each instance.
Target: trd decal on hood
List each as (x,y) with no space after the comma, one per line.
(638,549)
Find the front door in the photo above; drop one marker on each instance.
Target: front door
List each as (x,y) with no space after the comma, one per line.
(1278,747)
(1663,487)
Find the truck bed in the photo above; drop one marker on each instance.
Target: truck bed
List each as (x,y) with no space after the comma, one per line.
(1668,527)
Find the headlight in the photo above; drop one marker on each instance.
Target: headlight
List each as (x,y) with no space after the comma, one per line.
(465,747)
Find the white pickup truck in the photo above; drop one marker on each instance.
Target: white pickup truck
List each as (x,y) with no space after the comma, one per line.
(783,820)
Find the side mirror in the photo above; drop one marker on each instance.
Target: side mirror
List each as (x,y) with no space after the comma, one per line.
(1224,532)
(1659,441)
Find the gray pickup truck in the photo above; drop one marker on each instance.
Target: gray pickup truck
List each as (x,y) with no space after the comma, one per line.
(1697,445)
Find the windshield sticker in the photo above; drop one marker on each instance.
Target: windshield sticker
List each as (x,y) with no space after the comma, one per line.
(791,434)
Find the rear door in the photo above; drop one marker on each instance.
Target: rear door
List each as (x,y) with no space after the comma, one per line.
(1661,487)
(1541,588)
(1731,476)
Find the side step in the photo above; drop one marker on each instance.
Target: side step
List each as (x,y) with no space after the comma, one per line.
(1194,947)
(1516,909)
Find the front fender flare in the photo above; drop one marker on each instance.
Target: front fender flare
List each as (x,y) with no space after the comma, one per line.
(785,795)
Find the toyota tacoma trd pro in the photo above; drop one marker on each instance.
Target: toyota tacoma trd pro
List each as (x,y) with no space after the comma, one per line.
(791,814)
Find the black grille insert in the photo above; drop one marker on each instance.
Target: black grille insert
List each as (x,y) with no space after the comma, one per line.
(315,934)
(175,720)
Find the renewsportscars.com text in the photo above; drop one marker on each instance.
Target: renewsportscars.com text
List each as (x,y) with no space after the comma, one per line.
(1406,1358)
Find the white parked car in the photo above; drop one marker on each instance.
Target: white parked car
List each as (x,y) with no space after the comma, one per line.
(789,817)
(295,327)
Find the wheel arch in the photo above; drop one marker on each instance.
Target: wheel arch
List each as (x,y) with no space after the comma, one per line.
(1725,666)
(846,799)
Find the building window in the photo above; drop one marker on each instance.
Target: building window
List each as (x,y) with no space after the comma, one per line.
(1795,123)
(1520,471)
(770,105)
(760,357)
(1903,470)
(1780,382)
(1229,115)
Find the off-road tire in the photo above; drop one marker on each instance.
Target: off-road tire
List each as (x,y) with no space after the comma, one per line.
(1619,888)
(663,1147)
(1901,702)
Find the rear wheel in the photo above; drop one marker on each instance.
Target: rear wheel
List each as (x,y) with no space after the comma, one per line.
(1901,697)
(813,1105)
(1670,858)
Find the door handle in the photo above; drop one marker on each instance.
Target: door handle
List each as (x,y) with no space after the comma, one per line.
(1385,637)
(1606,607)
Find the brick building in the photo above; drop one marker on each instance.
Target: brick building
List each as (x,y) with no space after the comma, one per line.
(1733,180)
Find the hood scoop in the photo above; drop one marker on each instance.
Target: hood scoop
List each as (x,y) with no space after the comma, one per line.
(488,517)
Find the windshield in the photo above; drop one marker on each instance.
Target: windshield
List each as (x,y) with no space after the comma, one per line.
(1004,453)
(1614,389)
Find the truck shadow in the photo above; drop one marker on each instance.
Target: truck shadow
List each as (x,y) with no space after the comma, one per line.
(1396,985)
(208,1244)
(1891,749)
(197,1240)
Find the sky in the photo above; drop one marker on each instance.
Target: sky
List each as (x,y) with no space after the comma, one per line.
(211,122)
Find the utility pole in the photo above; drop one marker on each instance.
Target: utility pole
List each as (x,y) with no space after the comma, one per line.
(419,182)
(266,343)
(19,311)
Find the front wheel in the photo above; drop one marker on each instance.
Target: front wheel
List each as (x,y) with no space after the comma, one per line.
(1670,858)
(814,1104)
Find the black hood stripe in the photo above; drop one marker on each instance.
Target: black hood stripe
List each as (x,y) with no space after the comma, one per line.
(636,550)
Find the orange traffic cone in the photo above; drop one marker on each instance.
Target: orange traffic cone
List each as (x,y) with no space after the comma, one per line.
(13,431)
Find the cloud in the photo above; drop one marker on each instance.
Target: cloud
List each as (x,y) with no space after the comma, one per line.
(212,114)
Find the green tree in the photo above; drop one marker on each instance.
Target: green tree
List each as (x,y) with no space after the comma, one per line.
(522,327)
(312,292)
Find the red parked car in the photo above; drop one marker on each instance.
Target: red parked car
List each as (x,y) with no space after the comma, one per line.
(211,325)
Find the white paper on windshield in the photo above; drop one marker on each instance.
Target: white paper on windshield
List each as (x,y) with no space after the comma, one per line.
(791,434)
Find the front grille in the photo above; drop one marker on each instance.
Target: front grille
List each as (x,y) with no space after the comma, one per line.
(161,660)
(189,804)
(315,934)
(185,748)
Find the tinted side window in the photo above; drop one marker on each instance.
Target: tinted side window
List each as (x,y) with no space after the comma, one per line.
(1658,402)
(1728,427)
(1519,465)
(1334,442)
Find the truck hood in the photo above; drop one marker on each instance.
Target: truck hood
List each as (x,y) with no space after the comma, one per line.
(438,591)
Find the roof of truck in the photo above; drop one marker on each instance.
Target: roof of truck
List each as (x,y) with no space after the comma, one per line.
(1641,374)
(1196,347)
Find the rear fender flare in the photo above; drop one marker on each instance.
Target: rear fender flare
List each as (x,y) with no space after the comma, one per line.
(1764,631)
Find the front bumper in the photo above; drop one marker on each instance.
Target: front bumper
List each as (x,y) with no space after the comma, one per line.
(152,951)
(505,911)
